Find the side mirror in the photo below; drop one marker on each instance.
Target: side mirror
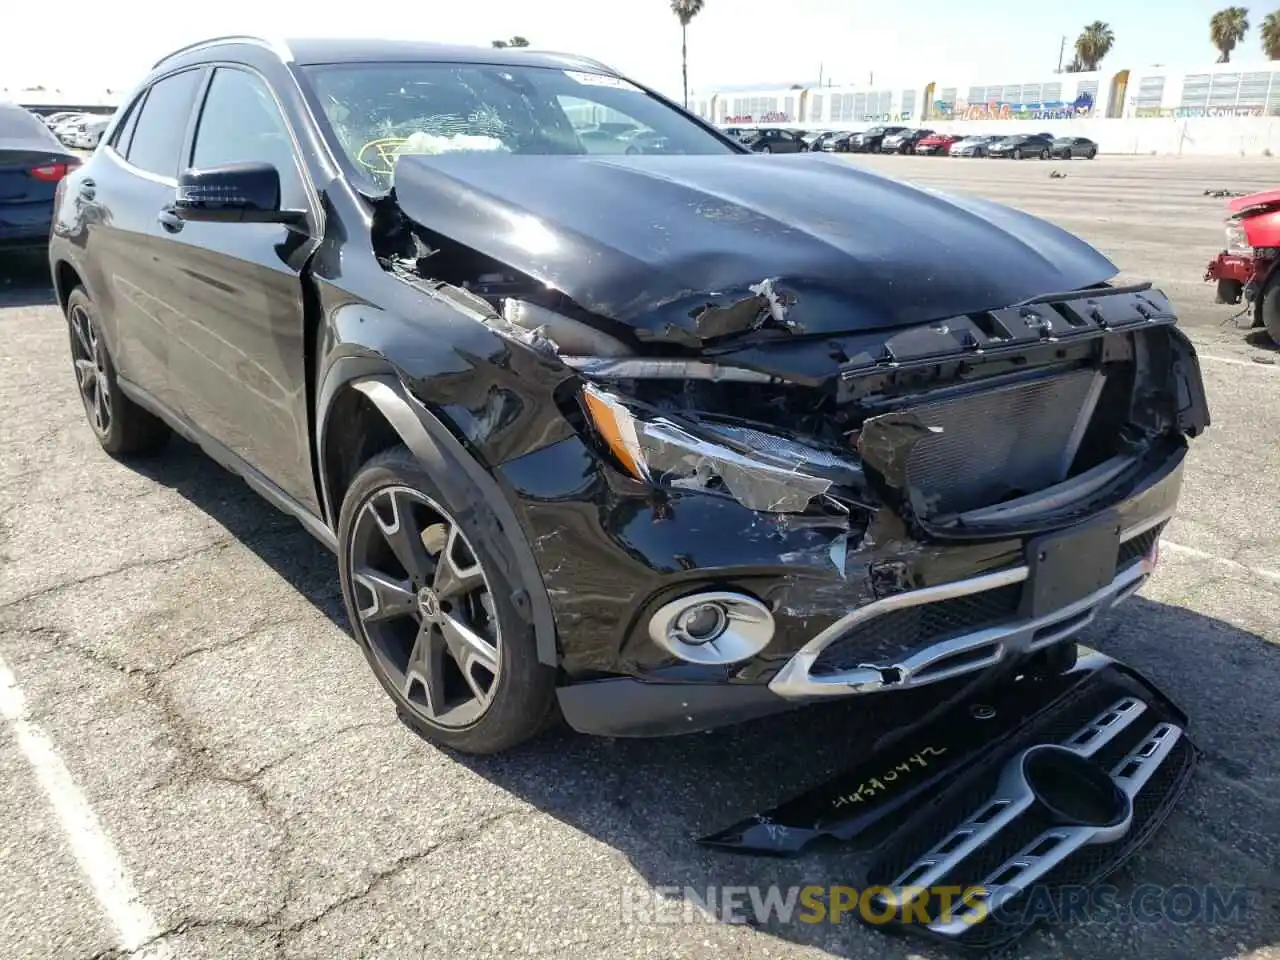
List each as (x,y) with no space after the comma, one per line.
(232,193)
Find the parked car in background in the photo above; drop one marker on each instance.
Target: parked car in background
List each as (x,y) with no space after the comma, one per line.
(839,142)
(51,120)
(773,140)
(89,133)
(65,129)
(32,161)
(974,145)
(1022,146)
(904,141)
(1069,148)
(936,143)
(1248,268)
(815,138)
(872,139)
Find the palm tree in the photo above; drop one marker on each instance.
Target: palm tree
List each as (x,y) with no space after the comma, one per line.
(685,11)
(1094,43)
(1226,29)
(1271,36)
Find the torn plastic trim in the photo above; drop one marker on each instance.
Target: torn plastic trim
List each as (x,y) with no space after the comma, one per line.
(762,471)
(960,655)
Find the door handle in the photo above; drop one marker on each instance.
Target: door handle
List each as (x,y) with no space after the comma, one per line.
(170,220)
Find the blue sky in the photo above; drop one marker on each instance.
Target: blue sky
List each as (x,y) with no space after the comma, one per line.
(102,43)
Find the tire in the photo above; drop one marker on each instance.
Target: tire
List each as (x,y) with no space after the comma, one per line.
(121,426)
(766,149)
(874,148)
(1269,311)
(1044,154)
(1017,153)
(1093,152)
(456,597)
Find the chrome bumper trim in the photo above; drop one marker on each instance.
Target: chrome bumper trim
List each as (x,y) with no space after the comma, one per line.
(974,651)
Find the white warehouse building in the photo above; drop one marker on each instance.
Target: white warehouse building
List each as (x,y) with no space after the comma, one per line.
(1219,90)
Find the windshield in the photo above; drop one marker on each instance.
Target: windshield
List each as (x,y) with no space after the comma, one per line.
(380,111)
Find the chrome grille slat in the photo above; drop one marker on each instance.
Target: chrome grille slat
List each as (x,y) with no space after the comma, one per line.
(1130,773)
(1013,796)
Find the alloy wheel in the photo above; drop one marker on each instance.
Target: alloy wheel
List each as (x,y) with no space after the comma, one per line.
(425,607)
(90,357)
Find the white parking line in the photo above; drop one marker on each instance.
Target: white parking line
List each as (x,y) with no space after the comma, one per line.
(1261,572)
(97,856)
(1251,364)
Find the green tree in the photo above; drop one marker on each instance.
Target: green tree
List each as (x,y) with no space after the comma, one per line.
(1270,31)
(516,41)
(685,11)
(1094,43)
(1226,29)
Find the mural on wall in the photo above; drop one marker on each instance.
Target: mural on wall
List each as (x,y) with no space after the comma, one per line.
(1081,106)
(1191,113)
(763,118)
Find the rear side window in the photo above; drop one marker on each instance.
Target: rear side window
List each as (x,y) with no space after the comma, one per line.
(124,132)
(161,127)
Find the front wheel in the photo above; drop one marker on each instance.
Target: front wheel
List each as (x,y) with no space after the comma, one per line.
(121,426)
(1017,153)
(766,149)
(435,612)
(1044,154)
(1091,154)
(1269,310)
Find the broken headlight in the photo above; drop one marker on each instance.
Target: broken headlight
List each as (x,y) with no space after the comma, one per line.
(1237,242)
(762,471)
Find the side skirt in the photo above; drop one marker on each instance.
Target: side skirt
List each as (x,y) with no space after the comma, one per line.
(229,460)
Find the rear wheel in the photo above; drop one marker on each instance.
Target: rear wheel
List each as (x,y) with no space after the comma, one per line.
(1044,154)
(1017,153)
(766,149)
(434,611)
(1093,152)
(121,426)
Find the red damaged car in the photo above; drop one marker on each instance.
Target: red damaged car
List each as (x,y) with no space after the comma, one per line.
(1246,269)
(937,143)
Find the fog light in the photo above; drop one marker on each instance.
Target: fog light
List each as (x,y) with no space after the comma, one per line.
(703,623)
(716,627)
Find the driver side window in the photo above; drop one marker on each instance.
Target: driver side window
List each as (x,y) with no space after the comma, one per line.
(240,122)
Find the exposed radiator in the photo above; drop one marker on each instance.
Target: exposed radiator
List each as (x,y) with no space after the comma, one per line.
(993,445)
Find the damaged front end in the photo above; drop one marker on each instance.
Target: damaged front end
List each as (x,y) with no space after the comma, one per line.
(833,506)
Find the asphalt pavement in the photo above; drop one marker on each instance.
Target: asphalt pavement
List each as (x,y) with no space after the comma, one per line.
(196,762)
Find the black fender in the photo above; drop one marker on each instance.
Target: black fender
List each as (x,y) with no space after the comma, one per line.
(445,458)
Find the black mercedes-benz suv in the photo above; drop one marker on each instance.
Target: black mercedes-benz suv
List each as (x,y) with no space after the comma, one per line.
(657,439)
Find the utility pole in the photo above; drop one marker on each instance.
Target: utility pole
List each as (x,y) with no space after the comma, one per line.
(1062,49)
(819,74)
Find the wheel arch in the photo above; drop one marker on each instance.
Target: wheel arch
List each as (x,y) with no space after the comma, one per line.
(65,279)
(362,408)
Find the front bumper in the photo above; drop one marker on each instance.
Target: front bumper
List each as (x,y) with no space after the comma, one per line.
(608,567)
(1239,276)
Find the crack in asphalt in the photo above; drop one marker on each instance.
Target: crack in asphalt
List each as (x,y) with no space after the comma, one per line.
(279,934)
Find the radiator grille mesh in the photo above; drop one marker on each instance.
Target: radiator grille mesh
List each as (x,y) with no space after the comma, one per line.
(997,444)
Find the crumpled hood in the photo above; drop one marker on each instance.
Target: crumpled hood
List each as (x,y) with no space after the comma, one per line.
(662,243)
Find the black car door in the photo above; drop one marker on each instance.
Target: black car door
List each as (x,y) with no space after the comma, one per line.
(238,335)
(124,263)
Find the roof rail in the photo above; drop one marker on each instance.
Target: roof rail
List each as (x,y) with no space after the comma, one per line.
(230,38)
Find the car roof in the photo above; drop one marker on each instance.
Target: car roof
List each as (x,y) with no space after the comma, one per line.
(311,51)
